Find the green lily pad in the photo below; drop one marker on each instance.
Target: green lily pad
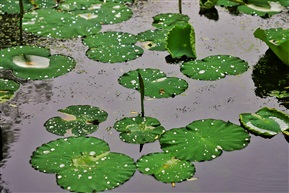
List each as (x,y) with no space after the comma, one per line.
(214,67)
(154,39)
(139,130)
(208,4)
(35,63)
(7,89)
(83,164)
(112,47)
(266,122)
(204,140)
(227,3)
(78,120)
(169,20)
(156,83)
(181,41)
(277,40)
(165,167)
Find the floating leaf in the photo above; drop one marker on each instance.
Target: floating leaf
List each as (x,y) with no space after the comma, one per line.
(169,20)
(208,4)
(204,140)
(139,130)
(181,41)
(227,3)
(154,39)
(266,122)
(165,167)
(35,63)
(156,84)
(7,89)
(78,120)
(214,67)
(112,47)
(83,164)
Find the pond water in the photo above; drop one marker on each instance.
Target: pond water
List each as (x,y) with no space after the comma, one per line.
(260,167)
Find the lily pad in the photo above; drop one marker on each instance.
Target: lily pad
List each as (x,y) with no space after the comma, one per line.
(169,20)
(83,164)
(165,167)
(277,40)
(208,4)
(35,63)
(78,120)
(214,67)
(139,130)
(267,122)
(7,89)
(156,83)
(112,47)
(204,140)
(154,39)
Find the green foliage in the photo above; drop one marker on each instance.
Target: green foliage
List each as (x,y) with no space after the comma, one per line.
(169,20)
(7,89)
(154,39)
(208,4)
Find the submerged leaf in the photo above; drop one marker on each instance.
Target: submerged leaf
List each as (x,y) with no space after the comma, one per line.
(7,89)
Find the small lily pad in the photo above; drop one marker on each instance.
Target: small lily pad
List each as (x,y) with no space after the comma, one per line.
(165,167)
(208,4)
(156,83)
(267,122)
(7,89)
(204,140)
(214,67)
(83,164)
(154,39)
(35,63)
(112,47)
(78,120)
(169,20)
(139,130)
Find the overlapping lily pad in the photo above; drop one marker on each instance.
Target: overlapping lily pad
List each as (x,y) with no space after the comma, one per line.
(7,89)
(169,20)
(214,67)
(156,83)
(83,164)
(35,63)
(112,47)
(165,167)
(78,120)
(266,122)
(139,130)
(204,140)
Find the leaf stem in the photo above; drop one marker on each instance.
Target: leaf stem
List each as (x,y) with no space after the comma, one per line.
(21,18)
(180,6)
(141,90)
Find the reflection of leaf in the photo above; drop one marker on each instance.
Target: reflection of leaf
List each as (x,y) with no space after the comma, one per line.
(156,84)
(266,122)
(79,120)
(204,140)
(83,164)
(165,167)
(7,90)
(35,63)
(214,67)
(139,130)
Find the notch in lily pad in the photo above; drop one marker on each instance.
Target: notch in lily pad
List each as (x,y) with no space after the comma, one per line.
(83,164)
(7,89)
(204,140)
(77,120)
(35,63)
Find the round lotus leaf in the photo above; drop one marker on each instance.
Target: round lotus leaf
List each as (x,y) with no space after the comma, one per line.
(165,167)
(78,120)
(112,47)
(7,89)
(214,67)
(168,20)
(53,24)
(35,63)
(204,140)
(156,83)
(267,122)
(154,39)
(139,130)
(83,164)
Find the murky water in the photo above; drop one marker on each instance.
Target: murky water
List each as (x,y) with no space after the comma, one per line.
(260,167)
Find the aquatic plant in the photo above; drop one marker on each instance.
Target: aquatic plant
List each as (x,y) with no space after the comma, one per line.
(208,4)
(7,89)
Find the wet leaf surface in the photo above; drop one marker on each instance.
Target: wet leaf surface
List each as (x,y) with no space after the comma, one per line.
(7,89)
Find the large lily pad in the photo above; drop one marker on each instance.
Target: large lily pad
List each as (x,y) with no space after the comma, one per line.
(214,67)
(7,89)
(165,167)
(112,47)
(204,140)
(156,83)
(154,39)
(78,120)
(35,63)
(266,122)
(277,40)
(139,130)
(83,164)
